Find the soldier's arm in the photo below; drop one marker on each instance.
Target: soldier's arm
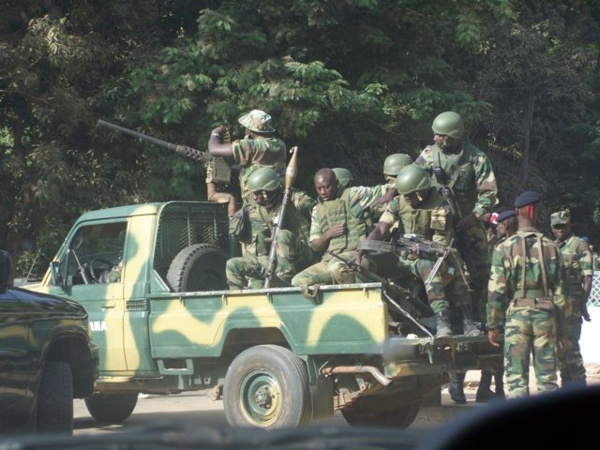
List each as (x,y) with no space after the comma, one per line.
(216,146)
(498,288)
(487,186)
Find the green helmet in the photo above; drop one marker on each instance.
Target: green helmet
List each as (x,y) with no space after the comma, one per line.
(264,179)
(412,178)
(344,177)
(449,123)
(394,162)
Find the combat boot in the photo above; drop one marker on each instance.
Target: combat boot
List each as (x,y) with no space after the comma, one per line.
(455,388)
(443,323)
(469,327)
(499,382)
(484,393)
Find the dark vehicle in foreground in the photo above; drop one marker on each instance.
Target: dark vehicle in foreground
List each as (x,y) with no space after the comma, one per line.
(47,358)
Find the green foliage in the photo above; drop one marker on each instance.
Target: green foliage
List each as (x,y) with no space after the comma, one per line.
(349,82)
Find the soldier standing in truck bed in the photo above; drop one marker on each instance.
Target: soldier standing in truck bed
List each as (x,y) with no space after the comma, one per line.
(258,148)
(472,182)
(527,297)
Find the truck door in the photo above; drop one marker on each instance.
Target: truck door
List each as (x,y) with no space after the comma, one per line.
(89,272)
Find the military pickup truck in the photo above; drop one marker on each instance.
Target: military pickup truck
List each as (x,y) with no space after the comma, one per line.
(152,277)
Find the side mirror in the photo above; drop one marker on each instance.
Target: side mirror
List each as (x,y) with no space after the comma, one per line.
(57,278)
(5,270)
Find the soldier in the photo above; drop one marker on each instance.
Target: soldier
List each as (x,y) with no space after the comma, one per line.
(391,166)
(472,184)
(506,226)
(577,258)
(258,148)
(425,212)
(526,297)
(338,222)
(293,251)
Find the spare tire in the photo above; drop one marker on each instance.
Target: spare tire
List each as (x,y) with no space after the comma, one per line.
(199,267)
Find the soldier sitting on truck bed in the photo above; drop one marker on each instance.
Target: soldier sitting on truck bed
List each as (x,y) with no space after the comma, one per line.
(293,251)
(338,222)
(424,212)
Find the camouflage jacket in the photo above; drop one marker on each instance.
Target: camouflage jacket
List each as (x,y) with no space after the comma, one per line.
(517,272)
(431,220)
(350,208)
(577,258)
(252,154)
(470,175)
(263,220)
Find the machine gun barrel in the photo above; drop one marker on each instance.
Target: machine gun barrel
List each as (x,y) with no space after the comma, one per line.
(183,150)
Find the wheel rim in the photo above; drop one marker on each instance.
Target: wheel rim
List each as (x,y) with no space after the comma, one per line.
(261,398)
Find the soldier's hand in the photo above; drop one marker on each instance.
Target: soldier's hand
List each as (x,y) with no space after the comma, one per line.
(355,260)
(218,131)
(586,316)
(337,230)
(493,337)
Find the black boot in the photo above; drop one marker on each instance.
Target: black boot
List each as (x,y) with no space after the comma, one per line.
(499,383)
(484,393)
(469,327)
(455,388)
(443,323)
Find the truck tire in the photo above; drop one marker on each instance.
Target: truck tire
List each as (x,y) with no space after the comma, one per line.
(385,411)
(267,386)
(199,267)
(111,408)
(55,399)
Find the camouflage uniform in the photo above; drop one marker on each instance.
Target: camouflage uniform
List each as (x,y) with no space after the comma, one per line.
(577,259)
(430,220)
(349,207)
(252,153)
(293,251)
(526,296)
(475,189)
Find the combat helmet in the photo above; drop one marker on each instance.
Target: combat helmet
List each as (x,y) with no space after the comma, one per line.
(264,179)
(394,162)
(257,121)
(449,123)
(344,177)
(412,178)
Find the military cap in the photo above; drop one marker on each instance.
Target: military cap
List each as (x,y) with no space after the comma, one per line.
(527,198)
(258,121)
(506,215)
(560,218)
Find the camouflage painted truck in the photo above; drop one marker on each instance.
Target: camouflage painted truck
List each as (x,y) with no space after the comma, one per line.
(152,277)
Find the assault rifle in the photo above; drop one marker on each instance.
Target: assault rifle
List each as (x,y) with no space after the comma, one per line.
(220,170)
(290,176)
(461,243)
(413,243)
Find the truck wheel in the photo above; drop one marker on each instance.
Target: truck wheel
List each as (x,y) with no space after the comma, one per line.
(111,408)
(267,386)
(385,411)
(55,399)
(199,267)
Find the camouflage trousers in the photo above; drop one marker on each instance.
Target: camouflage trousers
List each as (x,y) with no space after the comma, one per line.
(248,271)
(477,243)
(530,331)
(328,271)
(446,287)
(571,363)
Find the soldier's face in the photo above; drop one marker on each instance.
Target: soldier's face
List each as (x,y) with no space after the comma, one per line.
(326,187)
(444,142)
(560,230)
(414,199)
(501,229)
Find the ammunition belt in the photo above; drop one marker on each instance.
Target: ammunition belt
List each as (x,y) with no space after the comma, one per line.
(539,303)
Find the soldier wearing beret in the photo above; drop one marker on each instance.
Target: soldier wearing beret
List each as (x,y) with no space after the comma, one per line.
(527,298)
(577,258)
